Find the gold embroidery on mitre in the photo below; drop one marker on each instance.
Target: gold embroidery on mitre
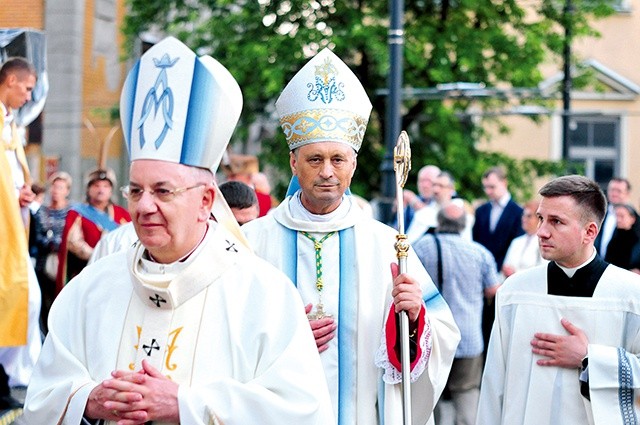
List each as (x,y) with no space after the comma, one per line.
(326,71)
(322,125)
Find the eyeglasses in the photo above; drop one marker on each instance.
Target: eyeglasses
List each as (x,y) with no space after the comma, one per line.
(160,194)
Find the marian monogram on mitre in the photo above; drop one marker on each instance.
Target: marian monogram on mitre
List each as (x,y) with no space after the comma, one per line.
(323,102)
(326,88)
(178,107)
(159,97)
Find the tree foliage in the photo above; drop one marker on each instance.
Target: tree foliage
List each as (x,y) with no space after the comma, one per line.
(496,43)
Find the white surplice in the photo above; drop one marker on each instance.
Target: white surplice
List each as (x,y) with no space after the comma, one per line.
(515,390)
(18,361)
(367,279)
(224,324)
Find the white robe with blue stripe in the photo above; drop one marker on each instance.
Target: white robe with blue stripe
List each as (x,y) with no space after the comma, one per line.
(357,292)
(515,390)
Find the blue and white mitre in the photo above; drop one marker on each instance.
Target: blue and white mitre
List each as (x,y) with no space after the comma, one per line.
(178,107)
(324,102)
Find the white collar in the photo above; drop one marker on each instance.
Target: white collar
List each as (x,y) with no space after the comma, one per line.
(162,274)
(294,217)
(503,201)
(299,211)
(177,282)
(571,271)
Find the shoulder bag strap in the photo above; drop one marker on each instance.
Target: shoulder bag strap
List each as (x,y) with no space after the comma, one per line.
(439,250)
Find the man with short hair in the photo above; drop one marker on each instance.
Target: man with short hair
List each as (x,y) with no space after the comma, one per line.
(187,326)
(339,259)
(19,289)
(464,272)
(443,188)
(564,347)
(86,223)
(497,223)
(242,200)
(618,192)
(424,198)
(17,81)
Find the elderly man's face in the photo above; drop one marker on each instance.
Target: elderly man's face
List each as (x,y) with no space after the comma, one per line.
(617,192)
(169,228)
(442,190)
(426,180)
(324,170)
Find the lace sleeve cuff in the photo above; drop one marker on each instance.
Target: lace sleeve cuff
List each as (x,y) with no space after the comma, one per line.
(387,357)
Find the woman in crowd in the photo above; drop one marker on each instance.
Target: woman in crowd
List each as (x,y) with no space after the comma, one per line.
(49,223)
(523,251)
(624,238)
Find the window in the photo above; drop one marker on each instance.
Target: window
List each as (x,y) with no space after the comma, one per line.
(594,146)
(621,6)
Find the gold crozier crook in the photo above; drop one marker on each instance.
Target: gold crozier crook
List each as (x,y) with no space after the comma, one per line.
(402,165)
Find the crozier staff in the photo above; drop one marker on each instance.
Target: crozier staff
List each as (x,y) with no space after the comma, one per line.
(339,258)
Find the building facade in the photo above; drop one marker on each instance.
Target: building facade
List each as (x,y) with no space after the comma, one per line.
(85,77)
(604,125)
(86,74)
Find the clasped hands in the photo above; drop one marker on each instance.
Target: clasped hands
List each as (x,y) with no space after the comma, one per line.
(134,398)
(407,296)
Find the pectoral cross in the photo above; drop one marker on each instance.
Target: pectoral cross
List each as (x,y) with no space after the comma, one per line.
(317,245)
(319,314)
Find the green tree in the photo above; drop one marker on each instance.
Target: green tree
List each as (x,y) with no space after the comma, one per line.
(496,43)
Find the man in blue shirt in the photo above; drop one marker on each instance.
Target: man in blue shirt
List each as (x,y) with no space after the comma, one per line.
(465,272)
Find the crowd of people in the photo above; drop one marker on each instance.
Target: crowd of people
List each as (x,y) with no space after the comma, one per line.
(202,303)
(506,237)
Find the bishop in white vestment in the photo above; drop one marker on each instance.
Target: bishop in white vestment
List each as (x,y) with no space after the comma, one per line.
(186,326)
(224,324)
(339,259)
(358,294)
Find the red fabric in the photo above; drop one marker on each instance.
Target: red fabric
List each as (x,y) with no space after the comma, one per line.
(393,338)
(92,234)
(264,201)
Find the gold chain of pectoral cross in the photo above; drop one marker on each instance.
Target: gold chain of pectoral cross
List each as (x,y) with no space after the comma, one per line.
(317,244)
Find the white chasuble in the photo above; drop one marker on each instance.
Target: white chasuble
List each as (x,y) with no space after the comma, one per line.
(357,293)
(164,316)
(516,390)
(224,324)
